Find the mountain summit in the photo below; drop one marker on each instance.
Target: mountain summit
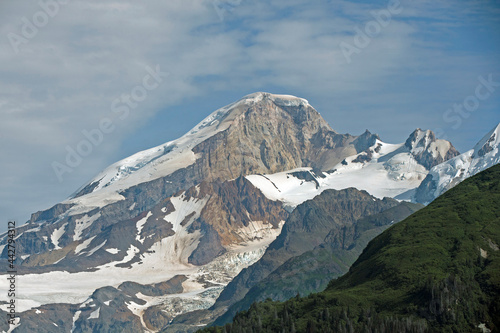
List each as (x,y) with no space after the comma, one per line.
(429,151)
(259,134)
(222,134)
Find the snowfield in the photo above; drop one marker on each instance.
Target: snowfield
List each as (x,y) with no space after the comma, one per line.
(391,172)
(75,288)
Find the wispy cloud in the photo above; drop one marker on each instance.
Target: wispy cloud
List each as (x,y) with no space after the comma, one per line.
(65,78)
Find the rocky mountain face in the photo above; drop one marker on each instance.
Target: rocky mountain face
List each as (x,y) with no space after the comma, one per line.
(311,271)
(312,265)
(261,133)
(198,210)
(215,214)
(330,220)
(305,229)
(429,151)
(446,175)
(205,234)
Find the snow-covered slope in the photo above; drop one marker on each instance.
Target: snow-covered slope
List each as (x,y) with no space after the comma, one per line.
(446,175)
(384,170)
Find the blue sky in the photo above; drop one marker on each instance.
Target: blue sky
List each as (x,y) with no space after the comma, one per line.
(63,78)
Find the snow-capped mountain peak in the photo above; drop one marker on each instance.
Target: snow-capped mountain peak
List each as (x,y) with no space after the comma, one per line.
(166,158)
(488,143)
(428,150)
(446,175)
(420,139)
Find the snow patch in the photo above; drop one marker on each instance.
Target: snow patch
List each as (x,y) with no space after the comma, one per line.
(86,303)
(23,303)
(95,314)
(83,223)
(139,225)
(137,310)
(112,250)
(75,318)
(34,229)
(83,245)
(88,202)
(17,322)
(131,253)
(91,252)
